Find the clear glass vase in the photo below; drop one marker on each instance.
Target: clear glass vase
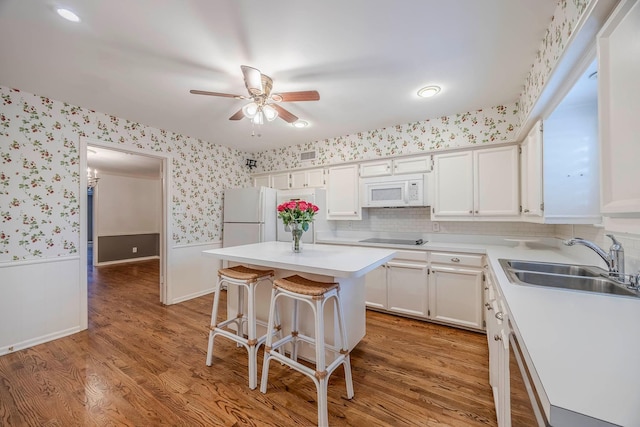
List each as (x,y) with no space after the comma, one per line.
(296,235)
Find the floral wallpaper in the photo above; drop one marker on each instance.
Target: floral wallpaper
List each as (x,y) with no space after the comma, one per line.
(40,174)
(496,124)
(563,23)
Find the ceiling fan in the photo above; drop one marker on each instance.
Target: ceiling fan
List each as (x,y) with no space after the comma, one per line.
(264,103)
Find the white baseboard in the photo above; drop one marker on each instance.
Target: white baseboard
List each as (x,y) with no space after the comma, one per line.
(122,261)
(193,295)
(38,340)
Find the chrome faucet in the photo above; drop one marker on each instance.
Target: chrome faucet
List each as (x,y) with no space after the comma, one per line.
(614,259)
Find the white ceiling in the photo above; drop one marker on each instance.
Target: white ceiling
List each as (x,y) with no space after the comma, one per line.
(138,59)
(123,163)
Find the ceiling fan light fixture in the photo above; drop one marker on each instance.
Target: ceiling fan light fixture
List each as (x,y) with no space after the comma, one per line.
(250,110)
(269,112)
(258,119)
(429,91)
(300,124)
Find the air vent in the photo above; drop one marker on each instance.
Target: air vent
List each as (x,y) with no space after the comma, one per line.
(307,156)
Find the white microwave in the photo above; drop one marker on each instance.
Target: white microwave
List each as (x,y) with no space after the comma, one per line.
(395,191)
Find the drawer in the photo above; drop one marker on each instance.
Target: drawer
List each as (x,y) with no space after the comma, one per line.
(457,259)
(412,255)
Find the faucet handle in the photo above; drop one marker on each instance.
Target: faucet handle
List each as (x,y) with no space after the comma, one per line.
(615,242)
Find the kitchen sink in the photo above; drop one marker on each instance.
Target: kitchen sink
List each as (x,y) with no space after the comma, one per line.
(554,268)
(564,276)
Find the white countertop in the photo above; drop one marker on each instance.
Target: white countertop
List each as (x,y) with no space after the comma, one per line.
(336,261)
(585,347)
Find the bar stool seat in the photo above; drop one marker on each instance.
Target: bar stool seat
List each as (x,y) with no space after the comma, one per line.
(246,279)
(315,294)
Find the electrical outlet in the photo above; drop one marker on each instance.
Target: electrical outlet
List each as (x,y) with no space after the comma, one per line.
(435,226)
(134,250)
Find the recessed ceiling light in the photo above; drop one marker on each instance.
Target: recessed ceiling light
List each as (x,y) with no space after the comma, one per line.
(300,124)
(68,15)
(428,91)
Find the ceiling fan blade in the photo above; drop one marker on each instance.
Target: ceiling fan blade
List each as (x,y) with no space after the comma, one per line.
(252,80)
(284,114)
(239,115)
(306,95)
(224,95)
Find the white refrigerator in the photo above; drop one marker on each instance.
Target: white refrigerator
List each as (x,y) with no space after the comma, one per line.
(249,216)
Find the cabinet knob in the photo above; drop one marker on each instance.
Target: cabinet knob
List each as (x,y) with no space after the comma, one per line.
(455,259)
(486,288)
(499,315)
(497,337)
(526,211)
(476,211)
(470,212)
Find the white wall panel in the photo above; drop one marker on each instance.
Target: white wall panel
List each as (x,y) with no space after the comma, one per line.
(39,302)
(191,274)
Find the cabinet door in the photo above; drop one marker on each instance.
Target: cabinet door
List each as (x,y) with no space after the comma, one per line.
(455,296)
(496,188)
(315,178)
(618,106)
(420,164)
(531,172)
(407,288)
(375,284)
(343,194)
(261,181)
(280,181)
(453,184)
(380,168)
(298,179)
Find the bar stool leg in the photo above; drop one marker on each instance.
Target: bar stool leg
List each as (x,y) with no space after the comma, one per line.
(214,320)
(344,346)
(252,341)
(269,342)
(321,375)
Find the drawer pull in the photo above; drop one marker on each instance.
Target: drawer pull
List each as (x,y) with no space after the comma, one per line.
(455,259)
(499,315)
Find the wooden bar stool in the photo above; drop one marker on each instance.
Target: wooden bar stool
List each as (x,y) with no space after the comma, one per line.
(246,279)
(316,294)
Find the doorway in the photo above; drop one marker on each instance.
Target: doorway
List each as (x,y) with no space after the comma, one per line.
(117,164)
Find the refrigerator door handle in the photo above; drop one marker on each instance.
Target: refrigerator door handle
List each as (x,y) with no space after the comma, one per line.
(261,206)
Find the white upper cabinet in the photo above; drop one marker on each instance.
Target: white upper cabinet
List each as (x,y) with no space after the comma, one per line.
(262,181)
(453,184)
(531,172)
(496,189)
(377,168)
(343,193)
(418,164)
(311,178)
(619,105)
(480,184)
(280,181)
(413,164)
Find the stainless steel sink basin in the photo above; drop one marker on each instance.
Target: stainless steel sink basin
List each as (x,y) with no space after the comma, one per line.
(564,276)
(576,283)
(554,268)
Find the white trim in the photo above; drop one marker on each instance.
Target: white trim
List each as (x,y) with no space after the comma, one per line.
(17,263)
(195,245)
(165,231)
(193,295)
(38,340)
(128,260)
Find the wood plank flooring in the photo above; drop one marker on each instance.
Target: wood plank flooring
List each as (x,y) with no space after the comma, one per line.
(143,364)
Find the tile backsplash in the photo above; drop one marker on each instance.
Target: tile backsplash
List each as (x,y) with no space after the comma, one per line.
(419,220)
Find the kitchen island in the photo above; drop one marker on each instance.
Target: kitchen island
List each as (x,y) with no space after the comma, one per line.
(346,265)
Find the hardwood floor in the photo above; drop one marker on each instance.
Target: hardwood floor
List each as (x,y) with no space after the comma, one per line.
(143,364)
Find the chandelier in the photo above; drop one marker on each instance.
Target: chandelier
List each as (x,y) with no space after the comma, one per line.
(92,180)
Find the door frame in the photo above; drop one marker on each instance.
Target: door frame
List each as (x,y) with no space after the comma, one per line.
(165,234)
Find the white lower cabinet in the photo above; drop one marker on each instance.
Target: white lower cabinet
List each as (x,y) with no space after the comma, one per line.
(498,342)
(407,287)
(455,289)
(451,294)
